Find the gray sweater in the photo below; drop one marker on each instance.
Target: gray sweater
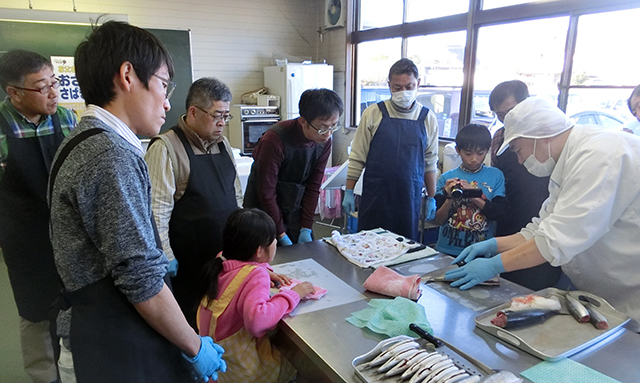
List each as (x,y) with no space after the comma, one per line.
(101,219)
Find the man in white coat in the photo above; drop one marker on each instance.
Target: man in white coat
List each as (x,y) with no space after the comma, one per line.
(589,225)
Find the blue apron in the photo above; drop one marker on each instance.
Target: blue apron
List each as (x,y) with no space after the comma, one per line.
(394,175)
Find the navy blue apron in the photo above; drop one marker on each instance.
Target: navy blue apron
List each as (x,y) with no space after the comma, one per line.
(197,220)
(394,175)
(109,339)
(24,221)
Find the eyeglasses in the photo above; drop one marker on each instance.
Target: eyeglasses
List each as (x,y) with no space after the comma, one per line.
(222,117)
(331,129)
(43,90)
(169,86)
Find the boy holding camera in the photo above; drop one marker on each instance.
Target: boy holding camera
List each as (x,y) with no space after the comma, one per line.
(471,197)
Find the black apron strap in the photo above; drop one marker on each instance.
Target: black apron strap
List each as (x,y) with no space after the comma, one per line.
(64,153)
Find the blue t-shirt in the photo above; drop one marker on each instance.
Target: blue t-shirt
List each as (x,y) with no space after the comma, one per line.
(466,223)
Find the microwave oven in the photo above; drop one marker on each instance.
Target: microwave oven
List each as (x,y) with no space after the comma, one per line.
(249,123)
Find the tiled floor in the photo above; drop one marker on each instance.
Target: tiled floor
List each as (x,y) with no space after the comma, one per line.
(10,354)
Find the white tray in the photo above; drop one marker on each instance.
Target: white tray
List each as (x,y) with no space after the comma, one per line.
(559,336)
(370,375)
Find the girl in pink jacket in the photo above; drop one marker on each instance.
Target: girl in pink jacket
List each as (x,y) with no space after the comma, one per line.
(237,310)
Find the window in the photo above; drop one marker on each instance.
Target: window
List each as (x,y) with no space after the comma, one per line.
(490,4)
(374,60)
(603,63)
(430,9)
(440,61)
(505,40)
(380,13)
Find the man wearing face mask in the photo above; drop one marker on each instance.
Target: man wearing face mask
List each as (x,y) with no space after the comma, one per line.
(589,225)
(397,142)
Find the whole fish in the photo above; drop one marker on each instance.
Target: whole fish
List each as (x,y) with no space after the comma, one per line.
(455,377)
(426,371)
(471,379)
(576,309)
(509,319)
(435,375)
(390,353)
(429,361)
(596,318)
(407,362)
(389,364)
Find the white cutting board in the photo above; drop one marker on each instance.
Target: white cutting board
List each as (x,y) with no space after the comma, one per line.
(308,270)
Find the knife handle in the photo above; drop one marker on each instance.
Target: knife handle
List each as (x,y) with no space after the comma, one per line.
(425,335)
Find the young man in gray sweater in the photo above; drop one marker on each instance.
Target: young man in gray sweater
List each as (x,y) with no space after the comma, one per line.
(123,324)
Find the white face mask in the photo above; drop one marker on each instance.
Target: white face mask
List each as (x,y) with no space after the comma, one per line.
(537,168)
(404,98)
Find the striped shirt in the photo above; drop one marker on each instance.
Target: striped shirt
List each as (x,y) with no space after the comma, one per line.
(115,123)
(23,128)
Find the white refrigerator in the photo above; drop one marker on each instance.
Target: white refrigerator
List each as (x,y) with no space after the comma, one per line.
(290,80)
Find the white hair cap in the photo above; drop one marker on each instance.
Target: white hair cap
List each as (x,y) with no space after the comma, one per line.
(534,118)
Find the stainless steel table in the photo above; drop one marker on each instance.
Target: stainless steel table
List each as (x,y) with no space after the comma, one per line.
(322,344)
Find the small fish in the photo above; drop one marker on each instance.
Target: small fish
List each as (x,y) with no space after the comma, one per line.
(596,318)
(390,353)
(440,372)
(399,357)
(455,377)
(471,379)
(428,361)
(425,371)
(406,363)
(576,309)
(509,319)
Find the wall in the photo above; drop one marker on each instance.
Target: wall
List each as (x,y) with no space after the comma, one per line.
(231,40)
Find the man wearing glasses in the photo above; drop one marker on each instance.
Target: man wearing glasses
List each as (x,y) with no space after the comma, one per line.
(194,187)
(289,163)
(120,321)
(32,125)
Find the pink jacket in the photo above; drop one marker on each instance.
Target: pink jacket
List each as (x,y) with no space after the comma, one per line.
(251,306)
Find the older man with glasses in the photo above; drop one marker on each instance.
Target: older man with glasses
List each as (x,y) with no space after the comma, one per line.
(194,186)
(289,163)
(32,126)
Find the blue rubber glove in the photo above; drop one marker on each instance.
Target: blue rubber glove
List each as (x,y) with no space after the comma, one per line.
(285,241)
(431,209)
(476,271)
(173,268)
(305,236)
(208,361)
(348,203)
(487,249)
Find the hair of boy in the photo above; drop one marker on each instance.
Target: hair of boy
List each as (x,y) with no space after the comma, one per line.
(17,64)
(404,66)
(245,231)
(504,90)
(634,93)
(319,103)
(473,136)
(99,58)
(207,90)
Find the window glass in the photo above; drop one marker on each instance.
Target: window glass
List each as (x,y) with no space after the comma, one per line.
(375,58)
(597,101)
(430,9)
(440,60)
(490,4)
(380,13)
(530,51)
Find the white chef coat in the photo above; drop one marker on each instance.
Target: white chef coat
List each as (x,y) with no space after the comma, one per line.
(590,224)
